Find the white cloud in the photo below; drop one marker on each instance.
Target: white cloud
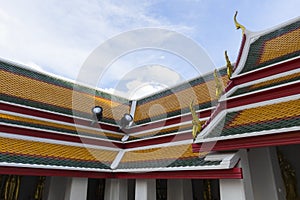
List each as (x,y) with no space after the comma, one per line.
(59,35)
(137,89)
(145,80)
(145,89)
(152,74)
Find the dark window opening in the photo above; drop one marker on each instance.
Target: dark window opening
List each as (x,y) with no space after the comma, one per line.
(96,189)
(161,189)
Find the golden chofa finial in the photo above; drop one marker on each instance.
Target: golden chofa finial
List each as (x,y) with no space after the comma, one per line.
(196,122)
(219,88)
(229,66)
(238,25)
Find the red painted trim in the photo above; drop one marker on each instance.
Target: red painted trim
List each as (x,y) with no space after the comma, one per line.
(221,106)
(53,116)
(56,136)
(167,122)
(241,50)
(229,86)
(288,138)
(50,135)
(161,140)
(235,173)
(53,172)
(68,119)
(288,90)
(276,69)
(270,94)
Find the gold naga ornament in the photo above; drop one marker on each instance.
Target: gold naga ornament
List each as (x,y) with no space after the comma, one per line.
(289,177)
(207,194)
(219,88)
(196,122)
(38,195)
(238,25)
(229,66)
(12,187)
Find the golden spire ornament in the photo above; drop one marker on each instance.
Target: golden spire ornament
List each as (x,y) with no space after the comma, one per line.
(237,24)
(229,66)
(219,88)
(196,122)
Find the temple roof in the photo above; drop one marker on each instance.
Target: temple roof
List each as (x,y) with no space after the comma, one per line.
(261,118)
(46,121)
(262,96)
(40,121)
(50,154)
(268,47)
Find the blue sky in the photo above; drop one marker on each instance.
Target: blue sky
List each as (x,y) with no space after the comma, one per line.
(58,36)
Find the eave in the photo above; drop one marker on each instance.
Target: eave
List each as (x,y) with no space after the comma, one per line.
(267,71)
(286,138)
(234,173)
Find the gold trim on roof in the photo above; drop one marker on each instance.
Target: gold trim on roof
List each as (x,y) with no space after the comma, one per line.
(219,88)
(237,24)
(196,122)
(229,66)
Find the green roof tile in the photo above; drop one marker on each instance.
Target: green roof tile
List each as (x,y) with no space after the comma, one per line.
(25,159)
(256,49)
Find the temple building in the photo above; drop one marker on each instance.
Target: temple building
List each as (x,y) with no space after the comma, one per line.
(232,134)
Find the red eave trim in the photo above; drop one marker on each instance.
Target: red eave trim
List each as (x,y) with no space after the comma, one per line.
(168,122)
(288,138)
(56,136)
(241,50)
(69,119)
(276,69)
(160,140)
(247,99)
(52,172)
(234,173)
(53,116)
(273,93)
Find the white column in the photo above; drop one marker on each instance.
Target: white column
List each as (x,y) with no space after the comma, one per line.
(232,189)
(247,176)
(76,189)
(179,189)
(145,189)
(55,188)
(266,175)
(238,189)
(115,189)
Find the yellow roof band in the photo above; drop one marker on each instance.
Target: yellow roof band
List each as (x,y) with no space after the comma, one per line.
(33,148)
(280,46)
(172,152)
(27,88)
(267,113)
(55,125)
